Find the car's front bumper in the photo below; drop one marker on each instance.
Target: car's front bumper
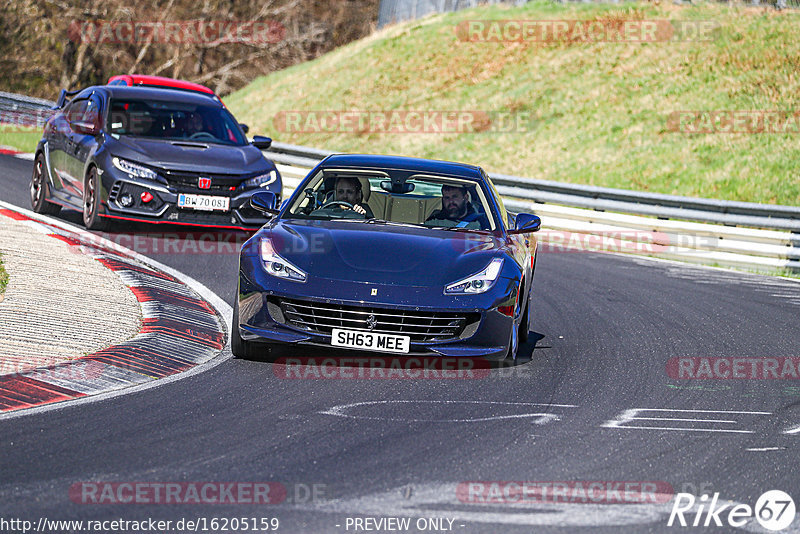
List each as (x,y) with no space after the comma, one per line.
(486,332)
(163,207)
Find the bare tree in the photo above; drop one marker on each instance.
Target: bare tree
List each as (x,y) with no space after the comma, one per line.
(48,45)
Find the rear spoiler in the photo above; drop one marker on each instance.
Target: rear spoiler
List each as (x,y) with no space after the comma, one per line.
(62,98)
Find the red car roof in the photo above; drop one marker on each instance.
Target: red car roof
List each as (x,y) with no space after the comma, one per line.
(159,81)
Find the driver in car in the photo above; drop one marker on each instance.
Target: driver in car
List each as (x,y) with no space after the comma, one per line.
(348,189)
(457,211)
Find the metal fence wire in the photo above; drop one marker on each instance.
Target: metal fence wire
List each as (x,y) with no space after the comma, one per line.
(392,11)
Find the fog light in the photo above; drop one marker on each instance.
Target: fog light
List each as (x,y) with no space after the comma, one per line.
(125,200)
(146,197)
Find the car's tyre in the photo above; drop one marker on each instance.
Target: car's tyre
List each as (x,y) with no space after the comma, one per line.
(523,324)
(243,349)
(40,189)
(239,347)
(91,201)
(513,346)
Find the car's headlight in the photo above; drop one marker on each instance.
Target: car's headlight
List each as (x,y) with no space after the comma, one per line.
(263,180)
(277,266)
(479,282)
(134,169)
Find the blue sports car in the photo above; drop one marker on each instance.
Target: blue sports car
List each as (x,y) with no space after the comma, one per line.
(391,255)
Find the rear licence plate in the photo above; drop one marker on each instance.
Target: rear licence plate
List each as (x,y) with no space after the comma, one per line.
(357,339)
(204,202)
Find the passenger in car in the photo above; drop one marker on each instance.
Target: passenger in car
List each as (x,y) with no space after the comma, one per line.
(457,210)
(348,189)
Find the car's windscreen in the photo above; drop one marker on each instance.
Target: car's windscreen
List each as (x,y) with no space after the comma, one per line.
(157,119)
(423,200)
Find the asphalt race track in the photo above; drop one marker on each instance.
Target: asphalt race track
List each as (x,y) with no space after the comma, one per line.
(605,328)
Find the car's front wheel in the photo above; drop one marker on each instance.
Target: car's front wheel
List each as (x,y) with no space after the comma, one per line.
(91,202)
(513,345)
(523,323)
(39,190)
(242,348)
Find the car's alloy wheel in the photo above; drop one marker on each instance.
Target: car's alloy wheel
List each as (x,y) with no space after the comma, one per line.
(39,201)
(91,202)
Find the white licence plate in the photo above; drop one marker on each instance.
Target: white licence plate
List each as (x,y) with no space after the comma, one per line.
(204,202)
(358,339)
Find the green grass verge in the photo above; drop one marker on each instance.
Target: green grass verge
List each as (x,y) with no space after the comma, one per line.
(600,111)
(3,276)
(22,141)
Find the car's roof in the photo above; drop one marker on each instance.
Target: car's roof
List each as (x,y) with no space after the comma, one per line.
(152,93)
(417,165)
(143,79)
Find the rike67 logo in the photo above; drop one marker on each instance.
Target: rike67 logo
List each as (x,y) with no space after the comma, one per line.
(774,510)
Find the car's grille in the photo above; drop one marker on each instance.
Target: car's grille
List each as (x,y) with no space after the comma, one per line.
(420,326)
(187,182)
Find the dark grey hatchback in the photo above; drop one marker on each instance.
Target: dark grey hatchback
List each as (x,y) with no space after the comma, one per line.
(150,155)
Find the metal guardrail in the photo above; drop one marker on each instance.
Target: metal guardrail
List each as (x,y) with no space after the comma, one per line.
(605,199)
(20,110)
(569,228)
(581,210)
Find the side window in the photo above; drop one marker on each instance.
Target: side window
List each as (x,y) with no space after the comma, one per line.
(504,216)
(93,112)
(76,110)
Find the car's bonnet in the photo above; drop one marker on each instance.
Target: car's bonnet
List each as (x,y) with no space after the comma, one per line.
(191,156)
(379,253)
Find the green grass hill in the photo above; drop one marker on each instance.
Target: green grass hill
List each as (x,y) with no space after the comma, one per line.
(594,112)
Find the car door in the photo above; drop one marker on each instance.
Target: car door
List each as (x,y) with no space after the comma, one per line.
(62,159)
(82,143)
(57,135)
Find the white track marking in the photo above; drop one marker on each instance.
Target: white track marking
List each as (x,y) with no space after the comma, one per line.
(541,417)
(627,416)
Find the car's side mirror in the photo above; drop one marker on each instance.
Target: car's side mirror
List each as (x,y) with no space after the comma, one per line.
(259,141)
(526,223)
(85,128)
(264,201)
(245,128)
